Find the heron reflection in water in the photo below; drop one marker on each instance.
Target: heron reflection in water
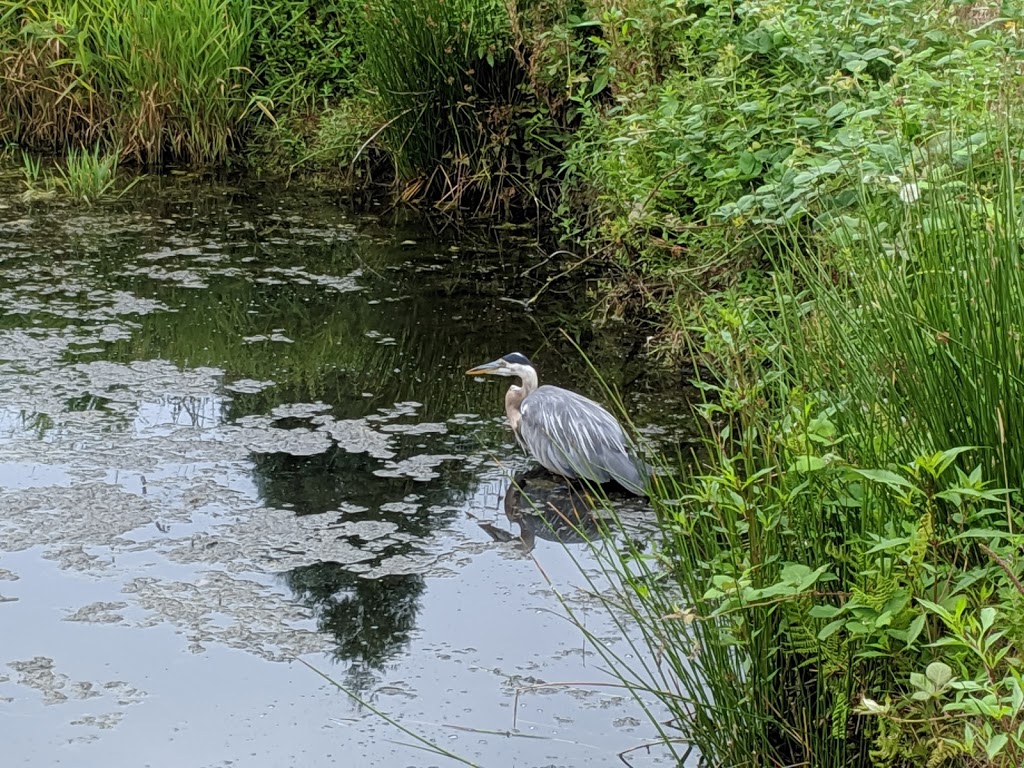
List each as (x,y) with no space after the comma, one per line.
(567,433)
(545,508)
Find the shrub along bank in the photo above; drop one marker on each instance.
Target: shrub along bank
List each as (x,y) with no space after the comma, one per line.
(839,583)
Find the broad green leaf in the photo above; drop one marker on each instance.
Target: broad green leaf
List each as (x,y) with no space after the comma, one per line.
(988,616)
(874,53)
(1016,695)
(995,745)
(830,629)
(794,572)
(914,630)
(821,430)
(885,477)
(811,578)
(939,673)
(824,611)
(889,544)
(937,609)
(808,463)
(949,456)
(836,110)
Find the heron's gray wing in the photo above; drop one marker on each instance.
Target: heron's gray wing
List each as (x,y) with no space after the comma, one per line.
(573,436)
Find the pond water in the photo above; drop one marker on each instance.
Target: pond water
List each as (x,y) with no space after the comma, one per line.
(235,431)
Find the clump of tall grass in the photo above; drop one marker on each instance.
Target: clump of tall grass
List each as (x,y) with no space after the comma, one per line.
(38,185)
(446,85)
(83,176)
(87,175)
(838,582)
(927,315)
(164,81)
(31,169)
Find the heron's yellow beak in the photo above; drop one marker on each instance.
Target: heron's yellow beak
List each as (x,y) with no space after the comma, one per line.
(485,369)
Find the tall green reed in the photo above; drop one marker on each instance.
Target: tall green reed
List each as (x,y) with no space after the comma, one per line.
(446,84)
(921,323)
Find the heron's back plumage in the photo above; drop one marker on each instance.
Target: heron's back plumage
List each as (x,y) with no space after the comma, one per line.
(573,436)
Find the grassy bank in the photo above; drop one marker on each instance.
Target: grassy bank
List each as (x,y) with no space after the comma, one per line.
(158,81)
(677,142)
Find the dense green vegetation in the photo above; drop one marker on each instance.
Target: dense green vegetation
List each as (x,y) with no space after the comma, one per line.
(157,80)
(839,583)
(677,139)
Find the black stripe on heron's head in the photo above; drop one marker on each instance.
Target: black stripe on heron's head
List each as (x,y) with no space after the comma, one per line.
(517,358)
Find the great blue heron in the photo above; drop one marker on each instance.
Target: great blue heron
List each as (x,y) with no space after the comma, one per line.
(567,433)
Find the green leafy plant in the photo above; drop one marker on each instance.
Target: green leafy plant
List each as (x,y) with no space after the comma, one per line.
(306,53)
(739,121)
(977,717)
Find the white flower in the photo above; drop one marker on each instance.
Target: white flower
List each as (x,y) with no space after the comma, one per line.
(872,707)
(910,193)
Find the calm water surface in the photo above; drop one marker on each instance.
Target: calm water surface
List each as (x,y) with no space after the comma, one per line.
(235,432)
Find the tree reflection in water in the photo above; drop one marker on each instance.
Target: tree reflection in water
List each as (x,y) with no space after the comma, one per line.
(370,619)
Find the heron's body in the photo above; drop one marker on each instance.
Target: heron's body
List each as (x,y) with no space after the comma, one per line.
(567,433)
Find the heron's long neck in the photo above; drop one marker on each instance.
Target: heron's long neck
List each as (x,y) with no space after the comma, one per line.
(513,399)
(516,394)
(529,377)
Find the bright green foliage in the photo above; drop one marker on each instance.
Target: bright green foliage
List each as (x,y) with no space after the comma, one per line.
(709,126)
(180,81)
(332,142)
(674,130)
(162,80)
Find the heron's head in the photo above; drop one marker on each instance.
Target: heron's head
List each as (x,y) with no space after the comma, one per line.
(514,364)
